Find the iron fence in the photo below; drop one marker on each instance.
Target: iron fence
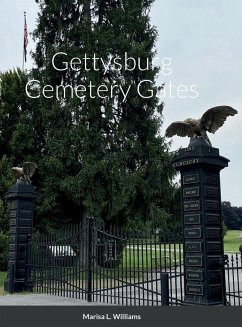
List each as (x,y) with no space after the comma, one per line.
(114,266)
(233,279)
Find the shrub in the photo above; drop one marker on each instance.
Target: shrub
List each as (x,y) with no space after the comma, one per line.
(240,248)
(3,251)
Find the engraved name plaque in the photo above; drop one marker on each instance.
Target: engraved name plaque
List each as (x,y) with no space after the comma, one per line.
(193,232)
(212,218)
(194,275)
(195,289)
(191,205)
(211,191)
(190,192)
(213,232)
(191,179)
(212,205)
(214,247)
(194,261)
(211,179)
(192,219)
(193,246)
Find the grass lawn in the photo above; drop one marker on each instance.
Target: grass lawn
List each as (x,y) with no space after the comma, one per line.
(232,241)
(3,275)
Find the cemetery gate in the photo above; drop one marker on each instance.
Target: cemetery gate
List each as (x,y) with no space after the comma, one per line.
(113,266)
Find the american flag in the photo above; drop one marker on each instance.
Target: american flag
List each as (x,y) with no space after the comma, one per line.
(25,40)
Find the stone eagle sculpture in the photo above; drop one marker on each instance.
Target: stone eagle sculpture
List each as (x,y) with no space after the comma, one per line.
(210,122)
(25,172)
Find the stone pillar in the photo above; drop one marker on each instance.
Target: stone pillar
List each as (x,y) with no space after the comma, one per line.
(21,197)
(200,166)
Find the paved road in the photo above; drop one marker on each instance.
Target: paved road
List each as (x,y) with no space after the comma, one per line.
(43,299)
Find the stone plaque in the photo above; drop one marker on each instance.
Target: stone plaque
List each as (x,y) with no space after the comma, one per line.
(194,261)
(25,222)
(193,246)
(211,191)
(12,247)
(12,239)
(194,289)
(25,205)
(215,291)
(12,230)
(13,214)
(214,246)
(192,219)
(11,255)
(194,275)
(211,179)
(214,276)
(191,179)
(13,205)
(193,232)
(213,232)
(25,214)
(212,205)
(190,192)
(24,230)
(12,222)
(213,262)
(191,205)
(212,218)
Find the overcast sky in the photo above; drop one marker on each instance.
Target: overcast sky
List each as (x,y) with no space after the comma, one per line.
(203,40)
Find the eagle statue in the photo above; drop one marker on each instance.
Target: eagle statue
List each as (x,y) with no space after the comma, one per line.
(25,172)
(210,122)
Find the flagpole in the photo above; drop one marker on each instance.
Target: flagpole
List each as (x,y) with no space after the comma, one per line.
(24,41)
(24,53)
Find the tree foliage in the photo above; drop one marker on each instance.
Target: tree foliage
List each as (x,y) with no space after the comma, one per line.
(232,216)
(104,156)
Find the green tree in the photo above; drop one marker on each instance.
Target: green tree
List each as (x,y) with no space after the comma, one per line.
(18,138)
(232,216)
(104,155)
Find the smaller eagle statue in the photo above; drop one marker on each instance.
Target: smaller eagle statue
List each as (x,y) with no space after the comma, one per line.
(210,122)
(25,172)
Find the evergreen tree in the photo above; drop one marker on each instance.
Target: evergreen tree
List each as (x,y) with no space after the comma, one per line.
(103,155)
(19,136)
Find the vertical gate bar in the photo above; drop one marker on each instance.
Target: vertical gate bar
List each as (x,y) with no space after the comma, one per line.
(175,270)
(116,265)
(160,262)
(89,264)
(156,269)
(164,289)
(123,244)
(233,259)
(181,261)
(138,266)
(134,271)
(127,251)
(237,271)
(170,270)
(109,263)
(142,269)
(79,259)
(43,271)
(150,282)
(147,267)
(228,279)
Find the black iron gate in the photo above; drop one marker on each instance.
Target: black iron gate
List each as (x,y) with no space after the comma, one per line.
(112,266)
